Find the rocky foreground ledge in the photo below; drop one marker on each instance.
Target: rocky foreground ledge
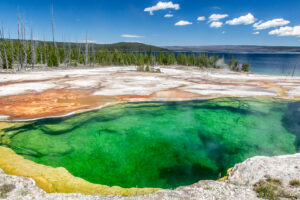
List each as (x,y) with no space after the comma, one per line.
(256,178)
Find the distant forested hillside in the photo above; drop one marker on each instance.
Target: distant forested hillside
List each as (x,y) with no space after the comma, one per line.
(121,46)
(236,48)
(130,46)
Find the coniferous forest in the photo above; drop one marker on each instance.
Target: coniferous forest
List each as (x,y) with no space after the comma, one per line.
(20,54)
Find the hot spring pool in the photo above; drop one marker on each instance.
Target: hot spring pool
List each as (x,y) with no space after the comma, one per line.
(160,144)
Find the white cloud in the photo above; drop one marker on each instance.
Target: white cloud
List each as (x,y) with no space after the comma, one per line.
(223,32)
(183,23)
(131,36)
(246,20)
(286,31)
(162,6)
(201,18)
(216,24)
(217,17)
(168,15)
(256,33)
(270,24)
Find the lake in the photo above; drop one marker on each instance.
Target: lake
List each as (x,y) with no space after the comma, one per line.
(265,63)
(269,63)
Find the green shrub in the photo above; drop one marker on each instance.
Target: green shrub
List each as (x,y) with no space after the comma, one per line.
(271,189)
(147,68)
(266,190)
(295,183)
(246,67)
(6,188)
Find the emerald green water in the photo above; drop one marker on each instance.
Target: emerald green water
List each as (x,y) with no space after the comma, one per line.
(161,144)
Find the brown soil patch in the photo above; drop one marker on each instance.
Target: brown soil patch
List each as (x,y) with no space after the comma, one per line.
(50,103)
(61,102)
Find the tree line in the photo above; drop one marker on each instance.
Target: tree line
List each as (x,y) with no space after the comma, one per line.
(33,53)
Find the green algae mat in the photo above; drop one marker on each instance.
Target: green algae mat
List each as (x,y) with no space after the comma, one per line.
(160,144)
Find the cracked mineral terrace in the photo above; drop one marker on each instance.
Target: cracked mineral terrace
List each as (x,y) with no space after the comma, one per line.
(32,95)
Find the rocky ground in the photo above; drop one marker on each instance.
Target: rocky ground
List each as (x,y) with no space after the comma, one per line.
(256,178)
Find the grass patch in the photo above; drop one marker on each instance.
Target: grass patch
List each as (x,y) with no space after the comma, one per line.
(6,188)
(266,190)
(295,183)
(271,189)
(273,180)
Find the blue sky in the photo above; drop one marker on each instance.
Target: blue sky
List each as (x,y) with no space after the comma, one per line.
(245,22)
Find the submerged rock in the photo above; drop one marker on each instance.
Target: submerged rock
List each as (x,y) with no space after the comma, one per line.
(281,173)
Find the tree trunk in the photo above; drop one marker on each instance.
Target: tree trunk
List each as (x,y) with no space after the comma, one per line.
(86,49)
(93,49)
(78,53)
(4,46)
(1,61)
(53,33)
(69,53)
(45,49)
(32,48)
(20,44)
(64,49)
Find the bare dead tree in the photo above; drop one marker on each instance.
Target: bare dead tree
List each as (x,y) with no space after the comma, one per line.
(41,54)
(4,46)
(11,47)
(32,46)
(295,66)
(64,48)
(24,39)
(78,52)
(1,61)
(93,50)
(45,49)
(36,46)
(20,53)
(53,32)
(69,52)
(86,48)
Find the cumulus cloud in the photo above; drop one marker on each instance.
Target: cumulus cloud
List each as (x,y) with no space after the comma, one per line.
(201,18)
(246,20)
(270,24)
(183,23)
(168,15)
(162,6)
(131,36)
(217,17)
(286,31)
(256,33)
(216,24)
